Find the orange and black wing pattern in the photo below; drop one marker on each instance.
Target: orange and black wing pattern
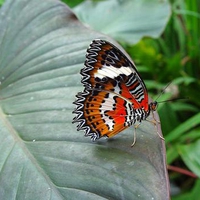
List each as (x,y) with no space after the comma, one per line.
(114,95)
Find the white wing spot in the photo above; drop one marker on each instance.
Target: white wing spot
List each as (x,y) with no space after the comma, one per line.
(112,72)
(107,106)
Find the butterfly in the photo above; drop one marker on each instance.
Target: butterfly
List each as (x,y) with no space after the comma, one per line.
(114,97)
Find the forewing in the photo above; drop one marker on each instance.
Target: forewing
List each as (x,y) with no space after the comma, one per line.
(106,64)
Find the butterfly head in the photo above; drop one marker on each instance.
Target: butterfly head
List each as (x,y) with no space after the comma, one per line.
(153,106)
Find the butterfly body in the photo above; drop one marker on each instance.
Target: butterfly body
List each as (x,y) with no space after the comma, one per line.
(114,96)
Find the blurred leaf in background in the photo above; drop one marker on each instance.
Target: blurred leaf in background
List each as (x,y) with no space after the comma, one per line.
(72,3)
(1,2)
(126,21)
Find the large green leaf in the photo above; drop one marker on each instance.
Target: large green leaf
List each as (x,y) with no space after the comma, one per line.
(42,49)
(127,20)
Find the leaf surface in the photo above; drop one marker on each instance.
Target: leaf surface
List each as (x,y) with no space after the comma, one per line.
(43,47)
(127,21)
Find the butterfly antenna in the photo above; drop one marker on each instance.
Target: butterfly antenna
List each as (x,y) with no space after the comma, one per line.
(162,91)
(176,99)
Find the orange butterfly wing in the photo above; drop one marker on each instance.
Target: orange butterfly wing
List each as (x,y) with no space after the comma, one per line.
(114,97)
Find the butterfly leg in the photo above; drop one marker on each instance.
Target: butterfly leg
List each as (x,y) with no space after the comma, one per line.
(134,136)
(155,122)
